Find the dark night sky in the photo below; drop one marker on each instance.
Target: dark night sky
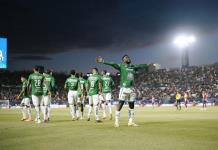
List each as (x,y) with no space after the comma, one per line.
(69,34)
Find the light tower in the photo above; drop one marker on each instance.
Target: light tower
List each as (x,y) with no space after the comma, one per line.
(183,42)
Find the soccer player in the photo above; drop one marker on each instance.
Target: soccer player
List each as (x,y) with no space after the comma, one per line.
(53,92)
(127,91)
(72,85)
(82,93)
(35,82)
(186,99)
(204,99)
(94,87)
(107,84)
(48,85)
(153,101)
(25,103)
(178,100)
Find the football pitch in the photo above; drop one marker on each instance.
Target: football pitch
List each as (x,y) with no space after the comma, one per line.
(161,128)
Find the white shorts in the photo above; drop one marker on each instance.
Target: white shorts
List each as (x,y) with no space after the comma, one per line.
(127,94)
(46,100)
(94,99)
(107,96)
(72,97)
(25,102)
(36,100)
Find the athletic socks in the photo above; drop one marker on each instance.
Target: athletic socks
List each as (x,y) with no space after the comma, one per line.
(103,110)
(109,107)
(131,115)
(117,117)
(37,108)
(89,111)
(23,110)
(96,112)
(29,112)
(72,111)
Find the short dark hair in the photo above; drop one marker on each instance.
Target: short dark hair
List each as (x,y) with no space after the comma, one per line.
(36,68)
(104,71)
(81,74)
(72,72)
(95,69)
(23,76)
(41,69)
(125,56)
(77,75)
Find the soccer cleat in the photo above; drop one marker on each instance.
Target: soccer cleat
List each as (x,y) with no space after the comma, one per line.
(77,118)
(46,121)
(29,120)
(88,119)
(23,119)
(116,125)
(132,124)
(98,121)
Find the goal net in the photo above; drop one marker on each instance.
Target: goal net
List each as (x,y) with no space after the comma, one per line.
(4,104)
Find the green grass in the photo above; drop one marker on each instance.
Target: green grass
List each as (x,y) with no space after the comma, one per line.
(161,128)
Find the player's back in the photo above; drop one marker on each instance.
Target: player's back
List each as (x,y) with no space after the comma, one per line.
(93,82)
(36,81)
(107,83)
(47,84)
(72,83)
(82,83)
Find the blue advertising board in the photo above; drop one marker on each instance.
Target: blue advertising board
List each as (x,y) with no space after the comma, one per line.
(3,53)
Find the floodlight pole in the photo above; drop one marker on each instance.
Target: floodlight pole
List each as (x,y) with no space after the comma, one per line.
(185,58)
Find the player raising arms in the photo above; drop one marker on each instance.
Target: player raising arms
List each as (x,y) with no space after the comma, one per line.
(94,88)
(25,103)
(107,84)
(48,86)
(72,85)
(82,93)
(35,82)
(127,91)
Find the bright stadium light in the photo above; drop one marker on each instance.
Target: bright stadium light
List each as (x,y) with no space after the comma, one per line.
(183,41)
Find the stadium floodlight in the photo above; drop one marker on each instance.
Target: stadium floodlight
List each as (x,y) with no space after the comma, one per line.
(183,41)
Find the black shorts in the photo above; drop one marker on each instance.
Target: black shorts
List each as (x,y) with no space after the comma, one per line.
(178,101)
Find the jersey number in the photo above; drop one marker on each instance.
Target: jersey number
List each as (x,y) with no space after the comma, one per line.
(92,84)
(37,83)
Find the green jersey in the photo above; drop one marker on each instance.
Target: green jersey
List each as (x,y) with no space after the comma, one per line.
(93,84)
(127,72)
(36,81)
(24,91)
(107,83)
(72,83)
(82,85)
(48,84)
